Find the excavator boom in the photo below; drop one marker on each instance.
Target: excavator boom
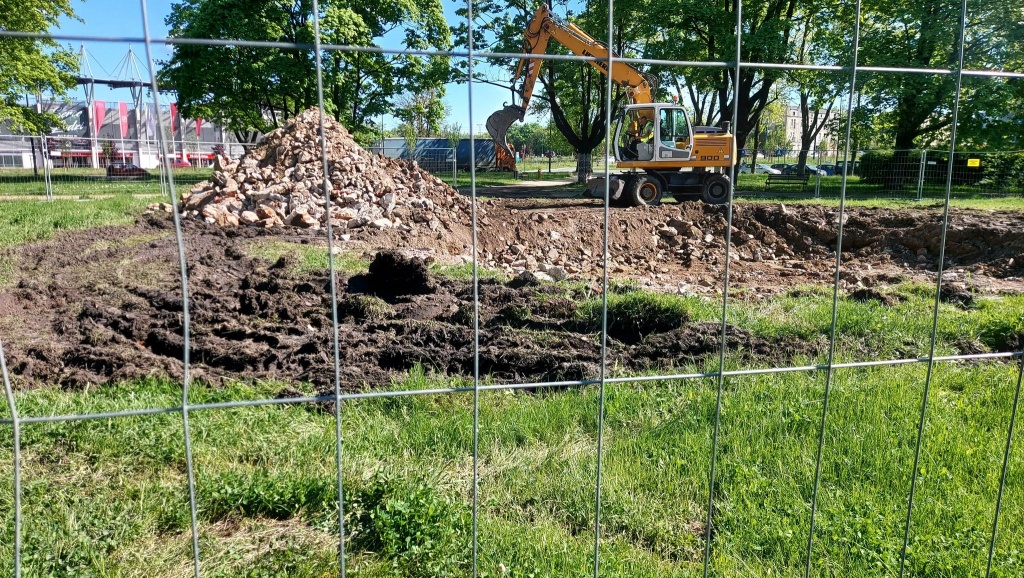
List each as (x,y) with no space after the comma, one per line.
(542,28)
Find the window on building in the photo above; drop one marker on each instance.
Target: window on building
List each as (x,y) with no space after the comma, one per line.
(10,162)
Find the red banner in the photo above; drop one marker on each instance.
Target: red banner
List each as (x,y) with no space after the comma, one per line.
(99,110)
(122,111)
(174,115)
(199,128)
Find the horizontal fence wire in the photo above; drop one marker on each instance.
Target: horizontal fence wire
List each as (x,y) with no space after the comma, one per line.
(504,55)
(645,379)
(602,380)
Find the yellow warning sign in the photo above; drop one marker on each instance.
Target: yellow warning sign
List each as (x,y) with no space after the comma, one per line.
(973,163)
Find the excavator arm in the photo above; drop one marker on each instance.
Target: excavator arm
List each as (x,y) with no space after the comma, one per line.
(542,28)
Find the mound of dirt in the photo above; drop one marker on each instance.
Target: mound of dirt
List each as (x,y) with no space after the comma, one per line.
(682,246)
(281,183)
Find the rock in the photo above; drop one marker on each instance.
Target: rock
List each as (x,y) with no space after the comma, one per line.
(557,273)
(534,277)
(382,223)
(668,232)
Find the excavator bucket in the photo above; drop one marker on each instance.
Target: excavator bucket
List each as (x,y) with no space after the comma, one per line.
(499,123)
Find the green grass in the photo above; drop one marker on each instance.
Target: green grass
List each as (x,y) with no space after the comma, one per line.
(109,497)
(29,221)
(309,257)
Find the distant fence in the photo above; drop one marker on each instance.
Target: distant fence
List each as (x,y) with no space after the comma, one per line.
(62,166)
(439,162)
(906,174)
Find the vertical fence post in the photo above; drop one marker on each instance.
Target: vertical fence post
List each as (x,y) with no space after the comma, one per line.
(44,152)
(455,168)
(920,174)
(16,424)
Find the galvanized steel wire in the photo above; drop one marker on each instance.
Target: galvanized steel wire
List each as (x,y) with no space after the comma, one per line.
(16,420)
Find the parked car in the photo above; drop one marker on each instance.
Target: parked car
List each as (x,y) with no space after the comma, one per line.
(780,166)
(125,171)
(841,164)
(830,170)
(761,169)
(809,169)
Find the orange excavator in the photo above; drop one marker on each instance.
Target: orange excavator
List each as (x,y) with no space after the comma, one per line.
(654,143)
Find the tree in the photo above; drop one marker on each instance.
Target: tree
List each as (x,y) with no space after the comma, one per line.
(423,111)
(253,90)
(109,151)
(926,34)
(698,31)
(770,133)
(822,38)
(572,92)
(33,66)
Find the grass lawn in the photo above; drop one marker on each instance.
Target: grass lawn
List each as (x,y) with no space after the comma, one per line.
(109,497)
(25,221)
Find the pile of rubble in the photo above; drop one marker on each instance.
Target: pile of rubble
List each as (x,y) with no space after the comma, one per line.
(280,183)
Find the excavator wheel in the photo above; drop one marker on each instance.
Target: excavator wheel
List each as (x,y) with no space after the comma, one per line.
(645,190)
(716,190)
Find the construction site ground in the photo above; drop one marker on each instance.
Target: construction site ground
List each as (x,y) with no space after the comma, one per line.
(105,304)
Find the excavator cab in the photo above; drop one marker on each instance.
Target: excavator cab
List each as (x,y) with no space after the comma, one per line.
(653,133)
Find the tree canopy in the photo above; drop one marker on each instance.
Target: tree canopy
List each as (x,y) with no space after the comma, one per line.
(32,66)
(896,109)
(252,90)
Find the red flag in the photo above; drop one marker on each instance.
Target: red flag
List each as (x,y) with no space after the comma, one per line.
(199,127)
(99,109)
(123,115)
(174,115)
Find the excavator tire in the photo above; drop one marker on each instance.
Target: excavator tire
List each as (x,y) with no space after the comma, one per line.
(645,190)
(716,190)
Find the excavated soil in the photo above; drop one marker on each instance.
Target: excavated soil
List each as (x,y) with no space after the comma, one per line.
(105,304)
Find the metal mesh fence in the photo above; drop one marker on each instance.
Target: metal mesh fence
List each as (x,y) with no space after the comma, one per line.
(925,174)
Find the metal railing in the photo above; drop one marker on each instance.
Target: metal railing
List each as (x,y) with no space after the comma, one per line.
(599,382)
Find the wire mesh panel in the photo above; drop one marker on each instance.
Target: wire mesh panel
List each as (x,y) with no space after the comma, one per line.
(548,386)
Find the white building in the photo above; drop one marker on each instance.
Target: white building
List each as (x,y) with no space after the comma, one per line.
(795,127)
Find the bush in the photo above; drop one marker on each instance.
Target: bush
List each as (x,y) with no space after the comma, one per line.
(422,533)
(1004,172)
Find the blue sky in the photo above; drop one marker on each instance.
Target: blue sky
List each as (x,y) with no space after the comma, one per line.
(112,18)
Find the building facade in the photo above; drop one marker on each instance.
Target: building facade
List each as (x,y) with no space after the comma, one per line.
(99,133)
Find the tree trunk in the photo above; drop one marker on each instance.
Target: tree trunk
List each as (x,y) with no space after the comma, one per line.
(35,169)
(584,167)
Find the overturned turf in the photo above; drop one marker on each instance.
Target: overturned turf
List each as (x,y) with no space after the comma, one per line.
(94,322)
(105,304)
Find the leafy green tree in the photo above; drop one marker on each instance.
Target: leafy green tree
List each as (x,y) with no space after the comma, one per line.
(698,31)
(32,66)
(253,90)
(926,34)
(822,36)
(770,133)
(423,111)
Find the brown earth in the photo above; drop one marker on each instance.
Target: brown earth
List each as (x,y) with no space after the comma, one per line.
(105,304)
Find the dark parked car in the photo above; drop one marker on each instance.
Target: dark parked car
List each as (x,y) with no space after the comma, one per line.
(830,170)
(126,171)
(780,166)
(809,169)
